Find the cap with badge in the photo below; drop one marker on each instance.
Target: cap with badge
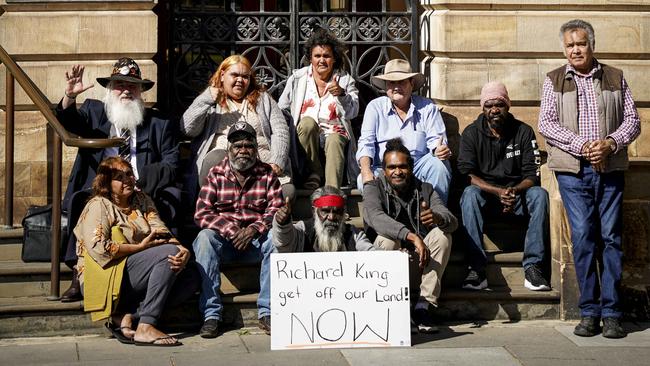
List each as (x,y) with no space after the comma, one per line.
(126,69)
(240,131)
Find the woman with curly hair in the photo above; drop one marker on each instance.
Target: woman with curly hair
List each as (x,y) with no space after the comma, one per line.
(234,95)
(323,99)
(129,262)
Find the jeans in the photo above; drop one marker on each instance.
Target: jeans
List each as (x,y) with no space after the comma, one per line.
(428,169)
(593,204)
(475,203)
(211,250)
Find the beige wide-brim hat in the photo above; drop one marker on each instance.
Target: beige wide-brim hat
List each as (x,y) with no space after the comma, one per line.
(397,70)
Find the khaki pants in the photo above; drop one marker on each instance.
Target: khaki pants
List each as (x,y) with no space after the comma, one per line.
(439,245)
(309,136)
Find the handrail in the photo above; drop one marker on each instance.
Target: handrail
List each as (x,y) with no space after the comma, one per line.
(15,72)
(43,105)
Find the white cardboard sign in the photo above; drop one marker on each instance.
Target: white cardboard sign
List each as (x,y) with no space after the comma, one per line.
(339,300)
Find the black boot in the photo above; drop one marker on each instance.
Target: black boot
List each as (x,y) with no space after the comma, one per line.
(74,292)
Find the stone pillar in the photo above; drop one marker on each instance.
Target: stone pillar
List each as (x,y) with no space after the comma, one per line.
(46,39)
(467,43)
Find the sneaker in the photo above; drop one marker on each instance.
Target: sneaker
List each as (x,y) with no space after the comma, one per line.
(612,328)
(534,280)
(421,320)
(589,326)
(475,280)
(265,324)
(210,329)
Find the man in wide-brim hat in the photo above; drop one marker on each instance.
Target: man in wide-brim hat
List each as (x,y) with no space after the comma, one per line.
(149,144)
(414,119)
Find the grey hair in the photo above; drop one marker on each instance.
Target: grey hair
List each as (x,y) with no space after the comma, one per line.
(578,24)
(326,191)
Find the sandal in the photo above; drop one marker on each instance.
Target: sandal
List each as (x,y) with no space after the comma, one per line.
(312,182)
(117,333)
(153,342)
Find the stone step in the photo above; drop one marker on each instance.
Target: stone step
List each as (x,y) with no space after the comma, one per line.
(20,279)
(35,316)
(10,252)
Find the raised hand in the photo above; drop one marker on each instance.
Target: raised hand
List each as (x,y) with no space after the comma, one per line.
(443,152)
(215,93)
(427,217)
(333,86)
(74,82)
(283,215)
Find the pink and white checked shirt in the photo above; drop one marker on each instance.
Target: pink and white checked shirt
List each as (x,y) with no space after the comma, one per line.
(588,128)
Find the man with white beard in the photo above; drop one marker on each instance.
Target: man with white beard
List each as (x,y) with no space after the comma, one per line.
(326,231)
(235,210)
(150,147)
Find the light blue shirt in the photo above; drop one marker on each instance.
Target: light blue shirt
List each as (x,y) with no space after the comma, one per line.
(420,131)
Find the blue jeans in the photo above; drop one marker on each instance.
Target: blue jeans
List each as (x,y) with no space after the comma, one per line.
(475,204)
(211,250)
(593,204)
(427,169)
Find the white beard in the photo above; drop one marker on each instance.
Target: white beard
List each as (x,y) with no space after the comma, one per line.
(327,240)
(122,115)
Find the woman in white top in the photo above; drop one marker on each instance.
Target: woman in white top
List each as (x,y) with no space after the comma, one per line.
(234,95)
(323,98)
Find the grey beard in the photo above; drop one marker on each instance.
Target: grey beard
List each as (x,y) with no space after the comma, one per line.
(123,115)
(242,164)
(328,240)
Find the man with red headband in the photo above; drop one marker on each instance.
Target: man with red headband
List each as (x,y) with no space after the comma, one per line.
(402,212)
(325,232)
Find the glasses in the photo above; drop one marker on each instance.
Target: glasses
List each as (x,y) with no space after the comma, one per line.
(123,175)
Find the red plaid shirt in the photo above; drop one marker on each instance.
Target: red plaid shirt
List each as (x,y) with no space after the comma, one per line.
(588,126)
(226,207)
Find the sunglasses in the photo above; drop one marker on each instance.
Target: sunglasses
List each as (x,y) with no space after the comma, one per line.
(123,175)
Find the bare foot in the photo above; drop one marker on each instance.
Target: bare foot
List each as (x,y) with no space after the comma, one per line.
(125,322)
(148,333)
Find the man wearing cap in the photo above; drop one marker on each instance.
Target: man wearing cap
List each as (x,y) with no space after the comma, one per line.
(416,120)
(235,211)
(588,118)
(150,144)
(326,231)
(500,158)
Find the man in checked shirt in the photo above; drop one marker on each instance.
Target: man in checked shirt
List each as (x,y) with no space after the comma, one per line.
(235,211)
(588,118)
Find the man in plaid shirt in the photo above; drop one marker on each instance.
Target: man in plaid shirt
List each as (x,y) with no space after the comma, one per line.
(235,211)
(588,118)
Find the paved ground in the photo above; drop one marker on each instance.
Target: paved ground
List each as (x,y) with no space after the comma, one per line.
(491,343)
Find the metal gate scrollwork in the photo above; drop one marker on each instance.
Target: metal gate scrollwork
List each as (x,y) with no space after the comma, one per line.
(271,34)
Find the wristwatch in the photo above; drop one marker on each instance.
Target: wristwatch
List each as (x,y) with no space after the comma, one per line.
(612,144)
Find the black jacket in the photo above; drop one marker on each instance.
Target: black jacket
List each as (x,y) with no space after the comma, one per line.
(156,147)
(384,212)
(503,162)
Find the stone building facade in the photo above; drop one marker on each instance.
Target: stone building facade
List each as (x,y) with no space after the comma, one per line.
(463,44)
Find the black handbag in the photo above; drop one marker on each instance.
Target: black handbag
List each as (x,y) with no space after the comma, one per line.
(37,226)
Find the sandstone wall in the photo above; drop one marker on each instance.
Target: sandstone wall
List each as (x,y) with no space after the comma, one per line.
(467,43)
(47,38)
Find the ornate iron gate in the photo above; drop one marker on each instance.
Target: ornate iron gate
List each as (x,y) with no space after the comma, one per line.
(271,33)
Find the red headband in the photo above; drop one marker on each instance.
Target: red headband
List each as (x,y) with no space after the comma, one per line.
(329,201)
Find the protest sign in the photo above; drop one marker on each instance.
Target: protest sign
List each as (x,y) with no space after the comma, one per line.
(341,299)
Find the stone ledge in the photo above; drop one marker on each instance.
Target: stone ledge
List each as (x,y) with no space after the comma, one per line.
(461,79)
(79,32)
(534,31)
